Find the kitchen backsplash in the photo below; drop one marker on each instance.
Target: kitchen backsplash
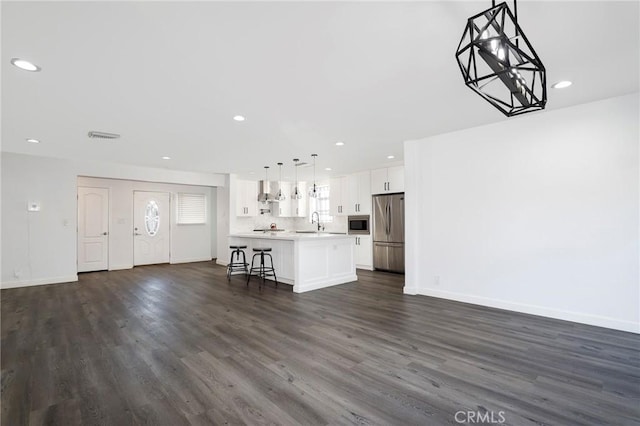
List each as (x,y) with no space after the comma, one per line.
(247,224)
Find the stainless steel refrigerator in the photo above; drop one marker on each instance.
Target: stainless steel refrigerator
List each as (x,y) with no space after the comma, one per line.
(388,232)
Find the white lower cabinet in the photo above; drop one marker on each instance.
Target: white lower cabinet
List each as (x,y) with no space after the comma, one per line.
(281,253)
(364,252)
(308,262)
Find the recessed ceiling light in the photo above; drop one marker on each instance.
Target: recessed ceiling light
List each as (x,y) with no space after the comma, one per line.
(166,158)
(391,157)
(339,143)
(25,65)
(562,84)
(328,169)
(30,140)
(239,118)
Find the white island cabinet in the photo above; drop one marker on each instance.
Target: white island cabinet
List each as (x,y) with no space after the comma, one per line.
(306,261)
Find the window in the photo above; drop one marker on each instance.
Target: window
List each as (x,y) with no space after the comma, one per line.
(152,218)
(191,209)
(321,204)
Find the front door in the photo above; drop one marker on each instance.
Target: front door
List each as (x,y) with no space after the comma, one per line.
(150,227)
(93,229)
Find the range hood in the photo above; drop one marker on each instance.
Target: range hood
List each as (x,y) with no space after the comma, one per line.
(264,192)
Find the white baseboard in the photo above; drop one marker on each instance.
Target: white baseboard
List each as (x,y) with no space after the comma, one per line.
(579,317)
(221,262)
(120,267)
(365,267)
(318,285)
(282,280)
(40,281)
(410,290)
(190,260)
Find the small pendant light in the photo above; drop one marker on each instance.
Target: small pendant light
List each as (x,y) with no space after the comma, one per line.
(264,195)
(296,193)
(313,193)
(280,196)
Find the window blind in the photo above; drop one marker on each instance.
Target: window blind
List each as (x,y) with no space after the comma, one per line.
(191,208)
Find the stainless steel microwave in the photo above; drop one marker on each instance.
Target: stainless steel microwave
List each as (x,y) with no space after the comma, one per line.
(359,224)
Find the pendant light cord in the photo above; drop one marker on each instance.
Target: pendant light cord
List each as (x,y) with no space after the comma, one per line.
(314,174)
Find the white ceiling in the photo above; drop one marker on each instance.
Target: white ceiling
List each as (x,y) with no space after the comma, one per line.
(169,77)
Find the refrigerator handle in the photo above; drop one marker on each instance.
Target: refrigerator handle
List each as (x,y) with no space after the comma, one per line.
(386,220)
(388,211)
(390,216)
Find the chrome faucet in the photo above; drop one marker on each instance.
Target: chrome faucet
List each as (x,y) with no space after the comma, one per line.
(317,215)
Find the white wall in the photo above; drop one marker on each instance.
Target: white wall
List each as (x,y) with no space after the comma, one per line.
(40,248)
(188,243)
(226,214)
(537,214)
(213,216)
(37,247)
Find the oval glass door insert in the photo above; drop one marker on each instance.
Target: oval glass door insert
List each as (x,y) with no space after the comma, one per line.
(152,218)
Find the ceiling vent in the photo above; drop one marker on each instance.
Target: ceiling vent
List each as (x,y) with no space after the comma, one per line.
(103,135)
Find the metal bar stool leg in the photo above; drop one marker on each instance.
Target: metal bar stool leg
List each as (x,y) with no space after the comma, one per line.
(230,265)
(244,262)
(273,270)
(251,269)
(262,272)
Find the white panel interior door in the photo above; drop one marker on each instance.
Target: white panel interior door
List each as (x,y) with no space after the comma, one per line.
(93,229)
(150,227)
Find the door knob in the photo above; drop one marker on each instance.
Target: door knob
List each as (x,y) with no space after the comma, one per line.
(137,233)
(105,233)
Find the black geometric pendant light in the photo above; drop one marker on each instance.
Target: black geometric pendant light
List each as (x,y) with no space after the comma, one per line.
(498,62)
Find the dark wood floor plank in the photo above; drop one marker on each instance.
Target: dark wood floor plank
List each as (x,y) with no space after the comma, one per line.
(61,414)
(179,344)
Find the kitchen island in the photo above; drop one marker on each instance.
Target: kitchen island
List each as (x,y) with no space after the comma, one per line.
(308,261)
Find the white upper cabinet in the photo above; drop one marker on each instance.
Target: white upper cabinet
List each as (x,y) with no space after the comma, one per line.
(351,194)
(246,198)
(387,180)
(281,208)
(290,207)
(338,196)
(396,179)
(299,207)
(359,193)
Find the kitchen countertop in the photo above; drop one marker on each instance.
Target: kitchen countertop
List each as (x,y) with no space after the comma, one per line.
(292,236)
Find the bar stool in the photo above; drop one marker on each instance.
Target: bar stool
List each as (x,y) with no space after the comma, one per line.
(237,265)
(263,271)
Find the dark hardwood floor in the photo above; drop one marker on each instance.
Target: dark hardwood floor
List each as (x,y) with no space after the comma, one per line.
(177,344)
